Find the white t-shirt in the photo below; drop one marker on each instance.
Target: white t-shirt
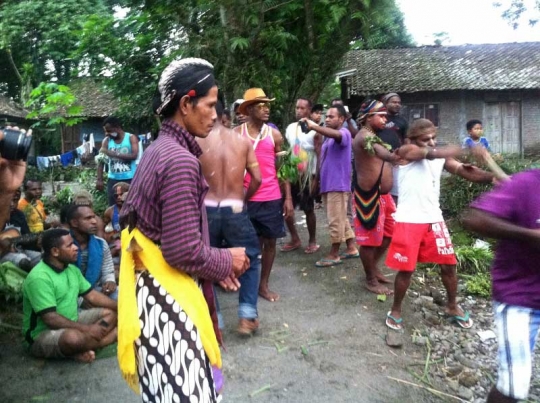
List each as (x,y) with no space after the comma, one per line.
(306,142)
(419,191)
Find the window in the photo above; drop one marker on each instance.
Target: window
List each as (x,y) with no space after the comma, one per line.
(421,111)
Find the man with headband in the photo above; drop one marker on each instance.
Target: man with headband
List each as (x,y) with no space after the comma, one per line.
(373,221)
(395,132)
(166,302)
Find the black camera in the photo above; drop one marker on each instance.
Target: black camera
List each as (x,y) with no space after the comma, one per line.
(304,127)
(15,145)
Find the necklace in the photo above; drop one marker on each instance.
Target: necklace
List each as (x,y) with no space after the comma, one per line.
(369,129)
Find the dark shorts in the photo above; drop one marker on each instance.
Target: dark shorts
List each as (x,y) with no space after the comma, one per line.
(302,198)
(267,218)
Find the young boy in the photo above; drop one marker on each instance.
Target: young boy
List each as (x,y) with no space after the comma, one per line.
(474,128)
(420,233)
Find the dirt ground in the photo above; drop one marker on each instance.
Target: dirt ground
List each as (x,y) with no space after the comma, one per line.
(322,342)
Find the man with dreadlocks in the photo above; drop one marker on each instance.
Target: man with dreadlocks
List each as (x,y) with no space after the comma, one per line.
(373,222)
(166,302)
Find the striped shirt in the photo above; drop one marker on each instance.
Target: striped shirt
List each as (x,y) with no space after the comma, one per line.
(167,195)
(107,265)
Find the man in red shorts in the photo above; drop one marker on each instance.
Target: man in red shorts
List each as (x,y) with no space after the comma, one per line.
(420,234)
(374,206)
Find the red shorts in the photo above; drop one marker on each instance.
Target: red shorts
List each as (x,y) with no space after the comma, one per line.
(424,243)
(384,227)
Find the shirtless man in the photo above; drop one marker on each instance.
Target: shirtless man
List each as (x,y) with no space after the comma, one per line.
(226,156)
(373,225)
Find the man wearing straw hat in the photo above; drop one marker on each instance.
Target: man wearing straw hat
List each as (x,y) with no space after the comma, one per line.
(265,207)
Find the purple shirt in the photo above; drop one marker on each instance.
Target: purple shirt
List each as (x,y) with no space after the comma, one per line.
(515,271)
(336,163)
(167,194)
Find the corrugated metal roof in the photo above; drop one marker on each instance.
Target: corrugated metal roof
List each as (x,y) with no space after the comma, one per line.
(437,68)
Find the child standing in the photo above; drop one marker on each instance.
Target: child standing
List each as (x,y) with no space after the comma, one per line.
(475,131)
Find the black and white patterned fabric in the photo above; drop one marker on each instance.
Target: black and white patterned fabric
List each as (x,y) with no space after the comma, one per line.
(171,361)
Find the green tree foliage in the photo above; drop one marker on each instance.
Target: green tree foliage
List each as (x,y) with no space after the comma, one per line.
(37,40)
(290,48)
(517,12)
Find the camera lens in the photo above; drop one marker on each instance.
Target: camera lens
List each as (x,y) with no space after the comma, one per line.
(15,145)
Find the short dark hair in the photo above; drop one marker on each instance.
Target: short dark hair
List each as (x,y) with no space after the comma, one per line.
(219,109)
(227,112)
(112,121)
(340,109)
(338,100)
(310,104)
(317,108)
(72,212)
(52,238)
(471,123)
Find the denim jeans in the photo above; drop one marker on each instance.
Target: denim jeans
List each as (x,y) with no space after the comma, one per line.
(231,229)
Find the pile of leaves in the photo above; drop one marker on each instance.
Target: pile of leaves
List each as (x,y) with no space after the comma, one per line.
(289,167)
(11,281)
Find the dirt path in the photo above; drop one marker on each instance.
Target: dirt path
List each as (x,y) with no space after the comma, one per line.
(322,342)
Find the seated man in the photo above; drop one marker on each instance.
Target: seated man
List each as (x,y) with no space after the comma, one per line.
(32,206)
(94,257)
(52,325)
(111,219)
(16,240)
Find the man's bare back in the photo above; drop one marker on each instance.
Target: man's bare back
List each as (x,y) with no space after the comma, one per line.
(368,166)
(226,156)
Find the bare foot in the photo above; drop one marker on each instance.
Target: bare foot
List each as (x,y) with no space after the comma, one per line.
(381,278)
(376,288)
(87,357)
(269,295)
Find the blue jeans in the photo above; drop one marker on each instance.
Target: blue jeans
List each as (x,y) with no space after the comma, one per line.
(235,230)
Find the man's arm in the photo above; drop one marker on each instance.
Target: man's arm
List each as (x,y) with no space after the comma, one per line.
(325,131)
(108,282)
(98,299)
(54,320)
(412,152)
(134,141)
(493,227)
(252,166)
(467,171)
(351,125)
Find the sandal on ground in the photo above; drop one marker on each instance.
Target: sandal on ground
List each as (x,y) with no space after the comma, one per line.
(397,322)
(465,321)
(325,262)
(289,247)
(345,255)
(312,249)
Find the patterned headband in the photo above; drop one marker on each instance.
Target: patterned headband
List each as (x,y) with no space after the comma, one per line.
(373,108)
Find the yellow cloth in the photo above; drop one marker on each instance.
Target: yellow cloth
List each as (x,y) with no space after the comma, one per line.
(178,284)
(34,213)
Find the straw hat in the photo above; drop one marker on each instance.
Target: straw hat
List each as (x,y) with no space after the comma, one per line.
(253,96)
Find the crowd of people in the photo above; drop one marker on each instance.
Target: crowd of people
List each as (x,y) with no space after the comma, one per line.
(205,207)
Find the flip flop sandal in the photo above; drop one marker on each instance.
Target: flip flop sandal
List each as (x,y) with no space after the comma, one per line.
(345,255)
(465,321)
(324,262)
(312,249)
(289,248)
(393,326)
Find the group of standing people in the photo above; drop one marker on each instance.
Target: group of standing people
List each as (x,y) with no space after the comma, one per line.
(206,206)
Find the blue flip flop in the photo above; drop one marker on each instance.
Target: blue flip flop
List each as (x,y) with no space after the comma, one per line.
(345,255)
(397,321)
(465,321)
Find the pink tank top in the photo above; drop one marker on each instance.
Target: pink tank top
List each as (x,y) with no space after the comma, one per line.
(266,156)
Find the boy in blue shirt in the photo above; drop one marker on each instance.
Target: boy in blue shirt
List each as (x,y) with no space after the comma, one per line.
(474,128)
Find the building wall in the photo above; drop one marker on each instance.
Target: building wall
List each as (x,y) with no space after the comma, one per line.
(457,107)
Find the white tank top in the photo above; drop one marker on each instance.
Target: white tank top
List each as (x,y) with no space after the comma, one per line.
(419,185)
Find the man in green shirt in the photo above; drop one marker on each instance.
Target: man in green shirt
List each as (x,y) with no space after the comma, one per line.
(52,325)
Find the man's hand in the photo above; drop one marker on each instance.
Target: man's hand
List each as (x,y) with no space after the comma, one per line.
(109,287)
(240,261)
(310,123)
(99,184)
(230,284)
(97,331)
(288,208)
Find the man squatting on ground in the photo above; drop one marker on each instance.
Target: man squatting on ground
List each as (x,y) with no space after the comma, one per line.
(420,233)
(265,207)
(52,325)
(303,146)
(226,157)
(510,213)
(336,183)
(374,206)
